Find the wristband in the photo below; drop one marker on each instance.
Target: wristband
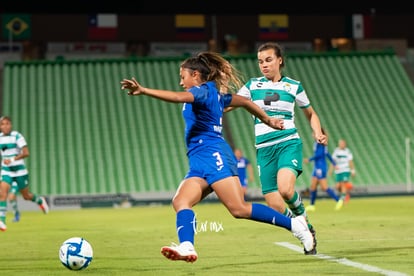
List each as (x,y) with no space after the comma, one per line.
(12,160)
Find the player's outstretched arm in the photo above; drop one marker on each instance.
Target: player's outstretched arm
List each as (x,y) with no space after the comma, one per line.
(136,89)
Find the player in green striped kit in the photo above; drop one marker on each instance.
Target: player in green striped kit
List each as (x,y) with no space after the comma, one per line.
(14,149)
(344,169)
(279,152)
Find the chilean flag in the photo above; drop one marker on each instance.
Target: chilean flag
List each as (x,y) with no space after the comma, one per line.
(103,27)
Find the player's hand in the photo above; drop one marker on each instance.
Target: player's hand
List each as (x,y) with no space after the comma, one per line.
(353,173)
(133,86)
(8,161)
(276,123)
(322,139)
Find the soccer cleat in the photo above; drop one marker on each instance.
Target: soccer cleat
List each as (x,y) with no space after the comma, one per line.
(310,208)
(3,226)
(315,242)
(44,206)
(183,252)
(339,205)
(16,216)
(301,231)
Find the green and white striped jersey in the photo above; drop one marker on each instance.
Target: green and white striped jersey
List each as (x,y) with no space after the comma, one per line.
(278,100)
(10,146)
(342,158)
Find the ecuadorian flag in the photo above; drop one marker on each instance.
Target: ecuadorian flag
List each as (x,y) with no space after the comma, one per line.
(190,26)
(273,26)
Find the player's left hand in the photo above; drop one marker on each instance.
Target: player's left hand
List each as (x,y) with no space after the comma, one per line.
(276,123)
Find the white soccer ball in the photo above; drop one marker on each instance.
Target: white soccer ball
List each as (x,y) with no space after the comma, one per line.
(76,253)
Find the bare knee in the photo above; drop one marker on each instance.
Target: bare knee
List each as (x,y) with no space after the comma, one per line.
(286,193)
(181,203)
(241,211)
(176,203)
(286,183)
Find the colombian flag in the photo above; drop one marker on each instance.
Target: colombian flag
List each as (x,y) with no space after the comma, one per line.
(273,26)
(190,26)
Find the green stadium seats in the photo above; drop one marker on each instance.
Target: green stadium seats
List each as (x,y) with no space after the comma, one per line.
(86,136)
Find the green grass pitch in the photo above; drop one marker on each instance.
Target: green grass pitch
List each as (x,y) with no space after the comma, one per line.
(369,236)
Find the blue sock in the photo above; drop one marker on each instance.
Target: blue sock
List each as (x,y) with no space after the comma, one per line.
(186,225)
(313,195)
(332,194)
(268,215)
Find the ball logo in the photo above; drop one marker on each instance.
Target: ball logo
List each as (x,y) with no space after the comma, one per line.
(76,253)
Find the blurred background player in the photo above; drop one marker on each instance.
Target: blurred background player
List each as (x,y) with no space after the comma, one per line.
(344,169)
(245,170)
(319,175)
(12,197)
(14,149)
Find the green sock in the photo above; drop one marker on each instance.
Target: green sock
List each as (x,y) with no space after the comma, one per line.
(288,213)
(3,210)
(296,205)
(14,205)
(37,199)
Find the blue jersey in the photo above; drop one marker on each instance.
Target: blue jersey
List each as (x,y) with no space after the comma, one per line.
(321,153)
(210,156)
(204,117)
(242,164)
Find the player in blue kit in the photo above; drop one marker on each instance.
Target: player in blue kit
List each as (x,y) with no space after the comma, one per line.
(212,164)
(245,170)
(319,175)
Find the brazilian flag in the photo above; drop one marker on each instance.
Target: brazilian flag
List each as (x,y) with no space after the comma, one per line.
(16,26)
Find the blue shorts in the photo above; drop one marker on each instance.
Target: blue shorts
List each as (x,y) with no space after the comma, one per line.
(213,163)
(244,181)
(320,173)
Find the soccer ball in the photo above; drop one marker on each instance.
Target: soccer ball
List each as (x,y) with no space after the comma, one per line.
(76,253)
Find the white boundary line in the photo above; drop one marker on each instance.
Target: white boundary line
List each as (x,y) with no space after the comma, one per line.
(343,261)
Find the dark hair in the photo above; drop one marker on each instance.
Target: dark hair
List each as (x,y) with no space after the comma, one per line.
(276,47)
(213,67)
(7,118)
